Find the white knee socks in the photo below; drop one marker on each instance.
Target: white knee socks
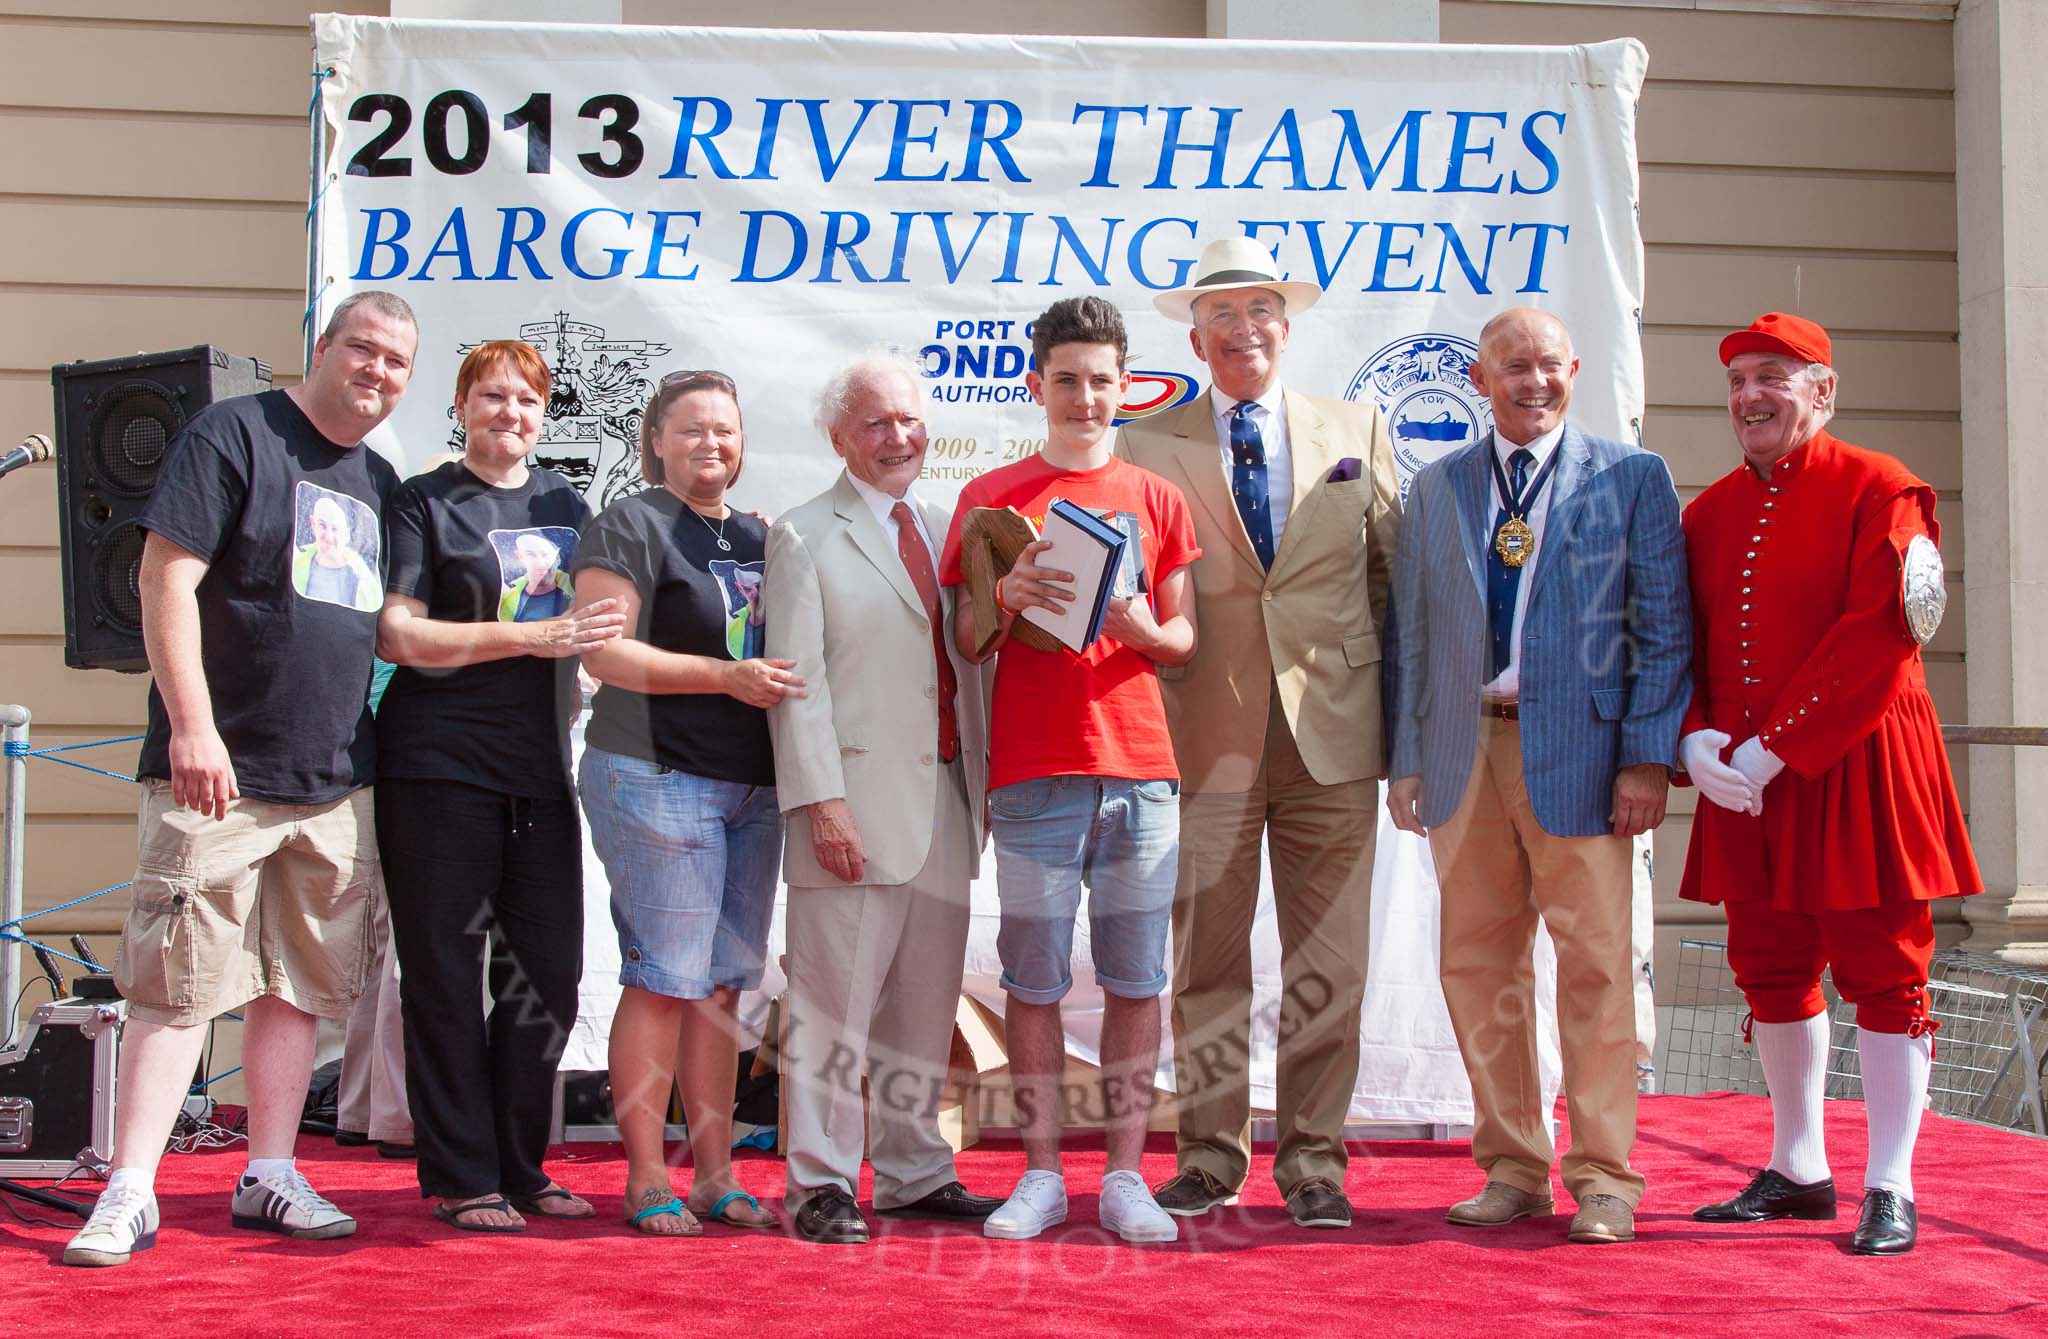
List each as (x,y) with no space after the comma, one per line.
(1795,1061)
(1895,1069)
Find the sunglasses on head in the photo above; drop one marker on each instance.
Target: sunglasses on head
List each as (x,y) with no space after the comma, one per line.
(701,379)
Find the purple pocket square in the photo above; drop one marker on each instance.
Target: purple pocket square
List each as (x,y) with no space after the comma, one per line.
(1347,471)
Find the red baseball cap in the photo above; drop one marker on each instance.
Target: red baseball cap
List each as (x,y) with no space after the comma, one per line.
(1777,332)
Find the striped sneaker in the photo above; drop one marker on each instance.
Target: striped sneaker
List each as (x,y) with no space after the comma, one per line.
(288,1205)
(123,1222)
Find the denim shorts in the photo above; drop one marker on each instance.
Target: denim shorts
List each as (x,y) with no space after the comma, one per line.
(1122,839)
(692,864)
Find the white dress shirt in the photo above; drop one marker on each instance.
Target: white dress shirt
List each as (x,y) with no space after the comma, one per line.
(1509,684)
(1271,417)
(884,506)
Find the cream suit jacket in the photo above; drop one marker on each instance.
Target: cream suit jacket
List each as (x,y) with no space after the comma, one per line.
(1312,624)
(840,603)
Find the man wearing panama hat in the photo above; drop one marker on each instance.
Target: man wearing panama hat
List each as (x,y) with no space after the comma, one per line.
(1277,728)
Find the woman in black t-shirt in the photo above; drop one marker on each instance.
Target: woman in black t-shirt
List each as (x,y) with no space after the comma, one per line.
(679,786)
(476,817)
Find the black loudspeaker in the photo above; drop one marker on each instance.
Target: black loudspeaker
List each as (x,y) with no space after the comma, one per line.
(114,418)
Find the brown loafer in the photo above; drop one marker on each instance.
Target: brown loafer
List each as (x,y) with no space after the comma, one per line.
(1317,1202)
(1192,1193)
(1500,1204)
(1602,1220)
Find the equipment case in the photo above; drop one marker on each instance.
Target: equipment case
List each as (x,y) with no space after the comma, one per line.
(57,1090)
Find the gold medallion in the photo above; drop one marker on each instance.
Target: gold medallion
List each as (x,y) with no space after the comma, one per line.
(1514,541)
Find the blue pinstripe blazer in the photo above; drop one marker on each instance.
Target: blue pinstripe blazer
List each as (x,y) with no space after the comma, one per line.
(1606,654)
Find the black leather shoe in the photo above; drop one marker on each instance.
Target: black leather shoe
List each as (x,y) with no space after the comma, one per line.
(951,1202)
(350,1138)
(1888,1224)
(1769,1195)
(831,1217)
(1317,1202)
(391,1148)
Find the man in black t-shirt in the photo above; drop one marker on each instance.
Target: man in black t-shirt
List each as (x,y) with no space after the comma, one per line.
(260,581)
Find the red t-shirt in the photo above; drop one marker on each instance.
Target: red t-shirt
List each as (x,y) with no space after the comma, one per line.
(1100,713)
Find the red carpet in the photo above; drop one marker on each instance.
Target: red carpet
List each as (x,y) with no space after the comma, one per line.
(1241,1271)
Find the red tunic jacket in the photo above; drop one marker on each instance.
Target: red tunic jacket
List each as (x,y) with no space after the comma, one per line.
(1800,637)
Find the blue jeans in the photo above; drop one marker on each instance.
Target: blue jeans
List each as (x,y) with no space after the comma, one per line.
(692,864)
(1055,833)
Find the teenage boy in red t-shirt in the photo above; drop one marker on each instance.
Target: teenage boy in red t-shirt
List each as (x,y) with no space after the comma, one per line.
(1083,786)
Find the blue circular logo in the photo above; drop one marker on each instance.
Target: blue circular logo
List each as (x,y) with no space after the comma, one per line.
(1420,386)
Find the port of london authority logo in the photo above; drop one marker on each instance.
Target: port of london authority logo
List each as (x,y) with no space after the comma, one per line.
(1154,393)
(591,434)
(1430,406)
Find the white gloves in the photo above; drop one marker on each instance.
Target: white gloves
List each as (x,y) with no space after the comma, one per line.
(1726,786)
(1758,764)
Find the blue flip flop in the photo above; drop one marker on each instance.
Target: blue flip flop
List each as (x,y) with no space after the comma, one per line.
(718,1214)
(671,1205)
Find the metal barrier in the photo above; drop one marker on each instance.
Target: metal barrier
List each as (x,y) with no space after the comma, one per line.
(16,752)
(1988,1052)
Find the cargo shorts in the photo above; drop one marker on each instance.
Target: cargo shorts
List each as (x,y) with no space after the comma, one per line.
(273,899)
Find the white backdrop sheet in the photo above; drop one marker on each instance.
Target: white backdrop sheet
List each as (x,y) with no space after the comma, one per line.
(635,200)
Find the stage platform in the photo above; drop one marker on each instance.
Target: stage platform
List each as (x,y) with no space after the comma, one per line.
(1244,1271)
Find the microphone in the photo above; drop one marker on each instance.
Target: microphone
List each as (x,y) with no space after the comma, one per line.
(85,953)
(34,449)
(56,978)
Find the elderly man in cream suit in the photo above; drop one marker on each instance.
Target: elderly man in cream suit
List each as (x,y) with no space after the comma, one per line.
(881,770)
(1277,727)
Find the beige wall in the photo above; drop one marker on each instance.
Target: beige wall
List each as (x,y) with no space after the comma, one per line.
(1799,163)
(1788,161)
(152,192)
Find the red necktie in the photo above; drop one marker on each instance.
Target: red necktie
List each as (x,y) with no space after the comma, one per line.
(917,560)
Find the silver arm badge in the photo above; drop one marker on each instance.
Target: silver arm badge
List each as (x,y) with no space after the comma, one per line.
(1926,589)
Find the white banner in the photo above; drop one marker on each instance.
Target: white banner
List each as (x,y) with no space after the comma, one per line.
(638,200)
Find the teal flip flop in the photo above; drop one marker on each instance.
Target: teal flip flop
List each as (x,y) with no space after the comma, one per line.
(672,1206)
(719,1215)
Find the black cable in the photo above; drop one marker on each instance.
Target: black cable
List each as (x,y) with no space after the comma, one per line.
(14,1017)
(24,1217)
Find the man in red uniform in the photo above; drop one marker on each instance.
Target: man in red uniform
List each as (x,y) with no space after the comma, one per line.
(1833,821)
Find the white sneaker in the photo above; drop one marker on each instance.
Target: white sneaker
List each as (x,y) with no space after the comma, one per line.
(1129,1210)
(1038,1202)
(123,1222)
(288,1205)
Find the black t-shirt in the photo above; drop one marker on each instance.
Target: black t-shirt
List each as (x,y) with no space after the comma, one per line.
(288,608)
(477,554)
(695,599)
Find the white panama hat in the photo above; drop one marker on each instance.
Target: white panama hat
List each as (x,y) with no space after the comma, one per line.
(1236,262)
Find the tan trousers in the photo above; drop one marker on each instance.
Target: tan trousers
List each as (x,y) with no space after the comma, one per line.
(1498,870)
(874,986)
(371,1098)
(1321,842)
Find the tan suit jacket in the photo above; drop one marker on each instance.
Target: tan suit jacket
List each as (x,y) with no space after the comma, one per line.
(841,605)
(1312,624)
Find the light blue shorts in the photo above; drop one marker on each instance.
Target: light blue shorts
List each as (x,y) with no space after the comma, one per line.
(692,864)
(1122,839)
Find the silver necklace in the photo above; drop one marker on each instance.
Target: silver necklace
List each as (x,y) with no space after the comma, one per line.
(717,531)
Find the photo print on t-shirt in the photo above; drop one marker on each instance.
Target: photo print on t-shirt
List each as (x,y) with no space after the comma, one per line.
(334,549)
(746,629)
(533,572)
